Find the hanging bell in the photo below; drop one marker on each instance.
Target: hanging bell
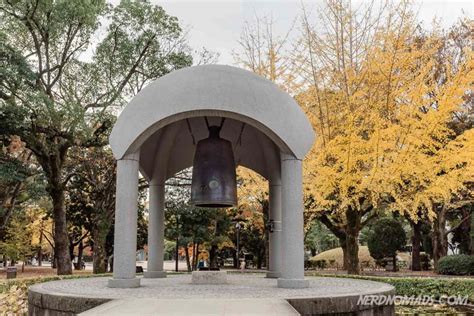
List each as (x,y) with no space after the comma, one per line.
(214,181)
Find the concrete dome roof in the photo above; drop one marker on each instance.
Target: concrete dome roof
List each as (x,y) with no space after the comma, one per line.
(213,90)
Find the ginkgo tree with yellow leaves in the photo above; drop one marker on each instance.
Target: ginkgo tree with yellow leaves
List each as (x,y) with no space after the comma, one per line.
(391,104)
(382,115)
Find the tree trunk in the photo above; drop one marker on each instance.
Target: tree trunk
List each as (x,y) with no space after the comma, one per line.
(188,262)
(80,254)
(394,262)
(54,260)
(193,261)
(352,254)
(345,257)
(416,247)
(196,261)
(471,235)
(261,259)
(99,253)
(61,240)
(352,243)
(440,241)
(466,244)
(40,250)
(176,254)
(99,259)
(235,259)
(213,257)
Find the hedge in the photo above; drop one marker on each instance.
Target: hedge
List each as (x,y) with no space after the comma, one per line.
(456,265)
(409,286)
(5,285)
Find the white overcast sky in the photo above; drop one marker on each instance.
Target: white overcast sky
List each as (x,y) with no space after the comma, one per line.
(216,25)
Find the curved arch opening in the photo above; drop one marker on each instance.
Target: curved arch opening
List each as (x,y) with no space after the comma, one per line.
(141,139)
(171,148)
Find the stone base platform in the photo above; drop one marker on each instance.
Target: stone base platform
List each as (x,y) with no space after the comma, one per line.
(209,277)
(154,274)
(323,296)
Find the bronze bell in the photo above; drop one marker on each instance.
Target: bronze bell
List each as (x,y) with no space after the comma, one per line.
(214,181)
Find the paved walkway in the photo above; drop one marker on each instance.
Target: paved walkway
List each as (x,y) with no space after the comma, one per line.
(278,307)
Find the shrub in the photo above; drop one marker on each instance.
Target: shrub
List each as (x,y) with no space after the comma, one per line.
(425,261)
(433,287)
(408,286)
(456,265)
(386,238)
(320,264)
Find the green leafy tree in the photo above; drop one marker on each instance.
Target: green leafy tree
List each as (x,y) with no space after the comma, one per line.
(55,94)
(177,211)
(252,237)
(387,237)
(319,238)
(191,226)
(220,223)
(91,204)
(463,229)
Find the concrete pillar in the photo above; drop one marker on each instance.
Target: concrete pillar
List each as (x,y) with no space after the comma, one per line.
(274,267)
(125,238)
(156,233)
(292,272)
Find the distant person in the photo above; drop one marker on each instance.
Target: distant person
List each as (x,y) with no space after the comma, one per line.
(242,265)
(201,264)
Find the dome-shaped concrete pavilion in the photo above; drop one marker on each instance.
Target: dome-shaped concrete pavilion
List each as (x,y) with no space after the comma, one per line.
(157,132)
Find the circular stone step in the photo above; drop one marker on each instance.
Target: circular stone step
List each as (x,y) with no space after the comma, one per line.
(324,295)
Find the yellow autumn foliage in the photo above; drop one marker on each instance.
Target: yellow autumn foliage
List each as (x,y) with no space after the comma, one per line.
(384,138)
(252,189)
(380,93)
